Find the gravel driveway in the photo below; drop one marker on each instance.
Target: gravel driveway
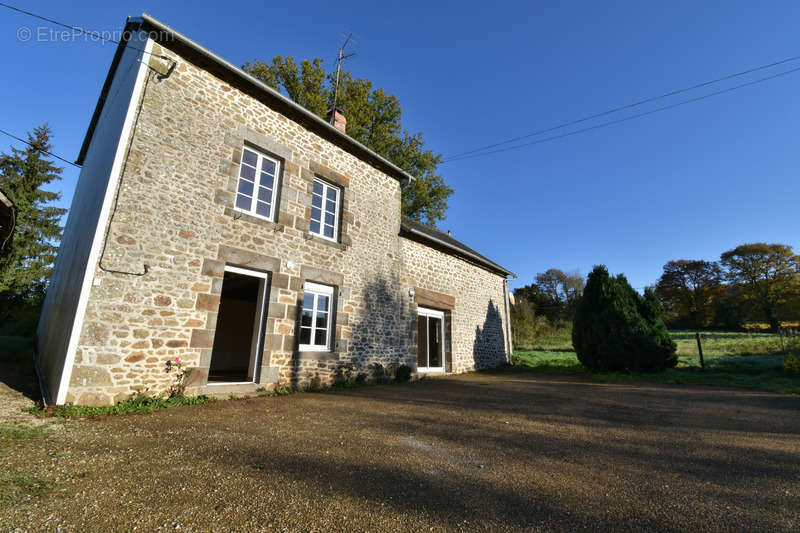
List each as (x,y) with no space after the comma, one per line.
(506,450)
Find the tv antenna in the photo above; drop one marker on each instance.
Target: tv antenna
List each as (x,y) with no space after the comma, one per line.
(340,58)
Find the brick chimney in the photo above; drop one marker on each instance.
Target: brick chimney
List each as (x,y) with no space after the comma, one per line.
(337,120)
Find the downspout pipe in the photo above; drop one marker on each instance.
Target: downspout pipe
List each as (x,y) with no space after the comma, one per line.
(510,340)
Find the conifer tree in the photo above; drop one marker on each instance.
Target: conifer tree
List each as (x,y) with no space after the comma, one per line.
(617,329)
(26,269)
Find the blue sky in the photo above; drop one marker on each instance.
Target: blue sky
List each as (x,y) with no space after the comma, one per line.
(690,182)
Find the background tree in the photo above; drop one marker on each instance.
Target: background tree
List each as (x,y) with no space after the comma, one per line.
(768,275)
(617,329)
(373,119)
(688,290)
(25,270)
(562,291)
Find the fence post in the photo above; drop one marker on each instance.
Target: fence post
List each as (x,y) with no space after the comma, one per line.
(700,351)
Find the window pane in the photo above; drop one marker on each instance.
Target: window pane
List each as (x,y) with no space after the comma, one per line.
(317,188)
(322,321)
(246,187)
(266,180)
(322,303)
(422,341)
(243,202)
(434,342)
(265,195)
(330,207)
(329,232)
(263,209)
(331,194)
(305,320)
(314,227)
(268,167)
(319,338)
(248,173)
(305,335)
(249,157)
(329,218)
(316,201)
(308,300)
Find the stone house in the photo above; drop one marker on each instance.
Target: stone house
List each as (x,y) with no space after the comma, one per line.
(218,222)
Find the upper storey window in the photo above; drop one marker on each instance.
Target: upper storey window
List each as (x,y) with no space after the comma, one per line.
(258,184)
(325,210)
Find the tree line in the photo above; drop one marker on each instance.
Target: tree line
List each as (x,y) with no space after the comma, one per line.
(547,306)
(752,283)
(757,282)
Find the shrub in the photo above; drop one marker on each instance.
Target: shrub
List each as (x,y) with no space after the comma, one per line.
(403,374)
(615,328)
(791,364)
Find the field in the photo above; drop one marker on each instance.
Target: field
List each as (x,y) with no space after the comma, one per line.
(746,360)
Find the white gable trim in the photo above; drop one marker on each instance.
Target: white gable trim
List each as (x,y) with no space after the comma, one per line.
(97,242)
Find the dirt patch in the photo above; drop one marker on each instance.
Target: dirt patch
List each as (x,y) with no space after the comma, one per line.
(497,451)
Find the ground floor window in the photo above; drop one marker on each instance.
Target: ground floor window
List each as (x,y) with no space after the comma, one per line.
(315,319)
(430,340)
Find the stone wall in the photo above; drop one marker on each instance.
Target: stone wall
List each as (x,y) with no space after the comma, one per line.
(477,320)
(156,289)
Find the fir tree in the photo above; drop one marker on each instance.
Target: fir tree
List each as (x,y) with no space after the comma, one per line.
(26,269)
(617,329)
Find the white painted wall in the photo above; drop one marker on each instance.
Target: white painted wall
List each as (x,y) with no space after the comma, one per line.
(62,314)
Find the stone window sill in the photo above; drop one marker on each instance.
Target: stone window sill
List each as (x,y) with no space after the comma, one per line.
(318,356)
(313,238)
(239,215)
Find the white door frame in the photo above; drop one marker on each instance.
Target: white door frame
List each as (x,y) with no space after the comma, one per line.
(256,344)
(434,313)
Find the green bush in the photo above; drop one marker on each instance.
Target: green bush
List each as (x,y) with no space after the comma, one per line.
(403,374)
(615,328)
(791,364)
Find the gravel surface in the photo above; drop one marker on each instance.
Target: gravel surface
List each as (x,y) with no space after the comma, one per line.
(506,450)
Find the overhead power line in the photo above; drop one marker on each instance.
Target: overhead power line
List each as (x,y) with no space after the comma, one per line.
(624,119)
(94,34)
(622,108)
(51,154)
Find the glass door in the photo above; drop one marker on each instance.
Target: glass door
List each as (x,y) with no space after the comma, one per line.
(430,340)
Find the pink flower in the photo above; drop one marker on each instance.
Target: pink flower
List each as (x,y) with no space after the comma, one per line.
(178,360)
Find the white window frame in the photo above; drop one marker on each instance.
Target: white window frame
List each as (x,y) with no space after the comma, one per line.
(317,290)
(434,313)
(326,186)
(261,157)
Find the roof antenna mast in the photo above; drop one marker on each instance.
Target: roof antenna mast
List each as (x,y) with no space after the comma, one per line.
(340,58)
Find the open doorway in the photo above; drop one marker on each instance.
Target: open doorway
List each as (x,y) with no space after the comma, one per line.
(240,323)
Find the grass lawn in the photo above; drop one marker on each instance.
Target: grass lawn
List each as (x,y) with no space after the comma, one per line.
(752,361)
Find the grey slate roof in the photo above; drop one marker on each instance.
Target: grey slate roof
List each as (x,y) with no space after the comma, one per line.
(416,230)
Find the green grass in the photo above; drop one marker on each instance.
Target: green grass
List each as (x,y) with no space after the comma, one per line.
(714,343)
(15,487)
(762,372)
(734,343)
(139,405)
(13,432)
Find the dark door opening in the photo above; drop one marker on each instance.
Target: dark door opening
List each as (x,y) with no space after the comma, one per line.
(237,340)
